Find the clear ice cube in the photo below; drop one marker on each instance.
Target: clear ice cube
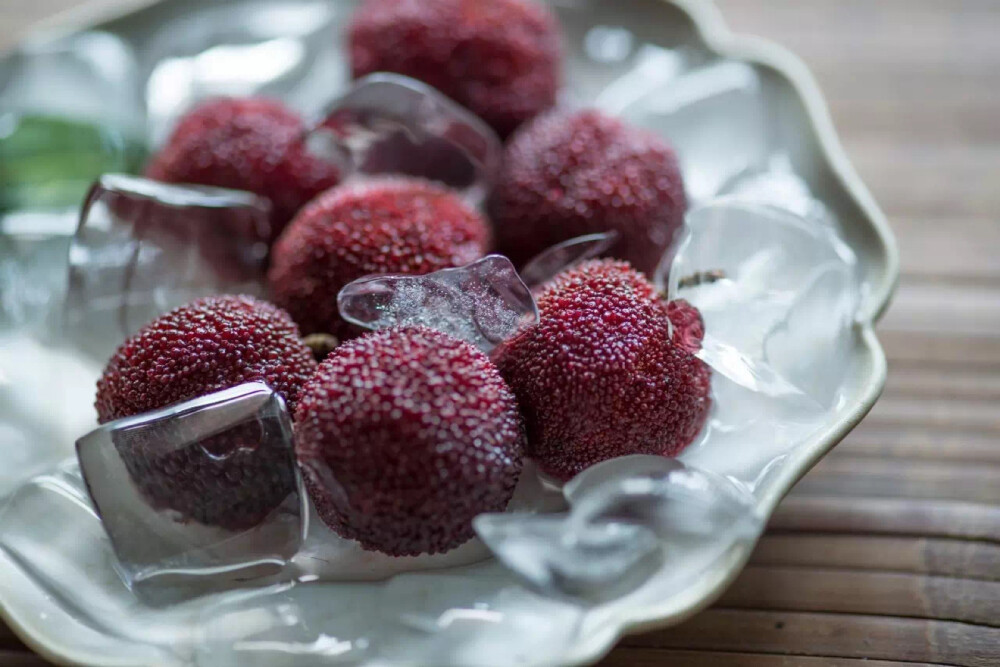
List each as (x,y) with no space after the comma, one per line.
(715,118)
(483,303)
(776,291)
(547,264)
(629,518)
(282,50)
(207,489)
(144,247)
(33,252)
(391,124)
(68,113)
(88,76)
(777,184)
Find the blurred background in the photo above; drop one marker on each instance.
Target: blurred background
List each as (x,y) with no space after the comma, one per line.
(889,551)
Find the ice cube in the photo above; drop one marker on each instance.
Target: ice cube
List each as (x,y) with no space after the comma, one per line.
(652,67)
(87,76)
(669,498)
(756,273)
(715,118)
(33,253)
(777,184)
(547,264)
(628,517)
(144,247)
(281,50)
(68,113)
(392,124)
(206,488)
(483,303)
(592,561)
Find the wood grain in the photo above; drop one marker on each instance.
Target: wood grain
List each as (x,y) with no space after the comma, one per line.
(922,555)
(832,635)
(627,656)
(888,553)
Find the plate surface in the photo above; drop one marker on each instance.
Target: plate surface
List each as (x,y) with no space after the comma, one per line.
(59,589)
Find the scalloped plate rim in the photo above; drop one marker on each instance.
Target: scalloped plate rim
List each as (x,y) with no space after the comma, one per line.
(714,33)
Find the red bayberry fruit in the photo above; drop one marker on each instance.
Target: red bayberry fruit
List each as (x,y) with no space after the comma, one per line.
(383,226)
(245,144)
(498,58)
(206,346)
(566,175)
(600,376)
(404,436)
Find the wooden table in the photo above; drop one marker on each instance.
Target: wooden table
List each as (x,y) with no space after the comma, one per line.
(888,553)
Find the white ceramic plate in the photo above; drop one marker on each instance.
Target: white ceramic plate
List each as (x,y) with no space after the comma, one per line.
(58,588)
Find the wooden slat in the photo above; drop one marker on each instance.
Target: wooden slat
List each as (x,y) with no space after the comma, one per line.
(833,635)
(952,248)
(891,478)
(894,441)
(978,414)
(888,516)
(958,383)
(942,351)
(855,592)
(941,557)
(945,310)
(628,656)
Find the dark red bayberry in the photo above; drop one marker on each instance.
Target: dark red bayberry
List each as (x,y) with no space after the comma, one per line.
(498,58)
(404,436)
(245,144)
(206,346)
(566,175)
(600,375)
(382,226)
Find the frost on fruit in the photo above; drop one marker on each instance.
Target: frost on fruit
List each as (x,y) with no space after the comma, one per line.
(201,488)
(630,519)
(391,124)
(483,303)
(143,247)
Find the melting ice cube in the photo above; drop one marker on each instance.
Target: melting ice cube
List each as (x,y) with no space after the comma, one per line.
(391,124)
(782,285)
(716,120)
(204,487)
(144,247)
(482,303)
(776,184)
(88,77)
(628,518)
(547,264)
